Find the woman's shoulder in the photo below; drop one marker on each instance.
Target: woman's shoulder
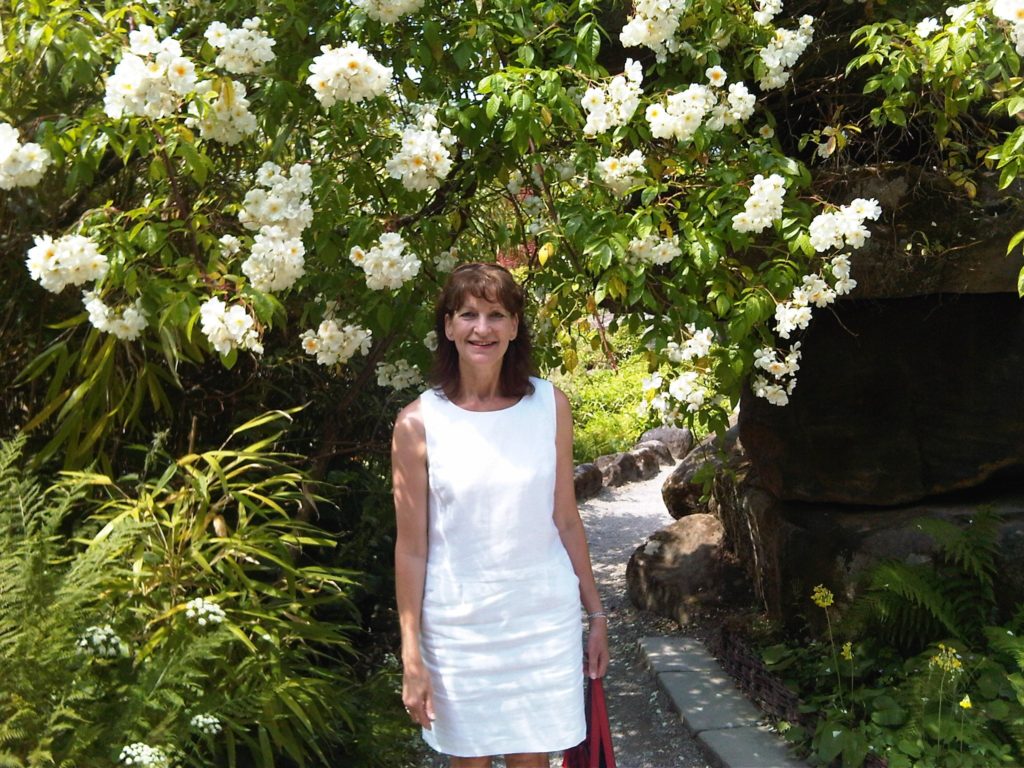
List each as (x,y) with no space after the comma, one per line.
(409,420)
(547,387)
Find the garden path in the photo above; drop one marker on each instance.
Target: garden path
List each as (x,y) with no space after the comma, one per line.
(646,731)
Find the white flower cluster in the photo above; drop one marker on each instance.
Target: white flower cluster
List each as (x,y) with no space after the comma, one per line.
(686,391)
(654,250)
(203,611)
(103,642)
(126,325)
(228,328)
(348,73)
(683,113)
(926,27)
(69,260)
(767,10)
(226,118)
(654,24)
(845,226)
(398,375)
(208,725)
(621,173)
(614,104)
(1013,12)
(21,165)
(782,367)
(279,199)
(423,160)
(275,261)
(430,341)
(783,51)
(278,207)
(841,228)
(243,50)
(794,314)
(332,343)
(763,206)
(694,348)
(388,11)
(144,756)
(150,79)
(386,264)
(446,261)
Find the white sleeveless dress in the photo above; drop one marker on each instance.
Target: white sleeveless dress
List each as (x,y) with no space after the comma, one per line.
(500,631)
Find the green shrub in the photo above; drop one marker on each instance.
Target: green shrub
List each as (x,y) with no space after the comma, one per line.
(103,642)
(606,399)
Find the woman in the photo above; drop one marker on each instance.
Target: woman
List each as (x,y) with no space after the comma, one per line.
(491,560)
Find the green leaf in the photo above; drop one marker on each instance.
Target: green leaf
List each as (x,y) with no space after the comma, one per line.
(1015,241)
(493,105)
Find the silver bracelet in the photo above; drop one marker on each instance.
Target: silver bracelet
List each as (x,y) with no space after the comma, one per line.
(597,615)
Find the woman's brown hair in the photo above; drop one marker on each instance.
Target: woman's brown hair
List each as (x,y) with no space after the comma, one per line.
(491,282)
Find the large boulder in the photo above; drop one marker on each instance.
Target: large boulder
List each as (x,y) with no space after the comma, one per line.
(618,468)
(647,460)
(678,439)
(681,568)
(684,490)
(660,451)
(897,401)
(588,481)
(787,547)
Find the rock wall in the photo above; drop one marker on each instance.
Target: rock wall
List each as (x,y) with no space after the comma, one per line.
(905,408)
(897,400)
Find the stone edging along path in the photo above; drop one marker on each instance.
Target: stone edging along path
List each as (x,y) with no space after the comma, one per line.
(719,717)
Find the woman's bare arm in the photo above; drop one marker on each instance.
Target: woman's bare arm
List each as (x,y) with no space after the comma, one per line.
(574,538)
(409,480)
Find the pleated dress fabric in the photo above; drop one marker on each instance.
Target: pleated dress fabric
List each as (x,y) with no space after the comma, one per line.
(500,628)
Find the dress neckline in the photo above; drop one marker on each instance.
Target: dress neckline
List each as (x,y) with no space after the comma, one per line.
(507,408)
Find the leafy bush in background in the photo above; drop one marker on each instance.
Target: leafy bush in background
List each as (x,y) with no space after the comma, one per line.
(189,614)
(606,397)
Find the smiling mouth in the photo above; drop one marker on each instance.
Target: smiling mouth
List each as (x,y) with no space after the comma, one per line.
(483,343)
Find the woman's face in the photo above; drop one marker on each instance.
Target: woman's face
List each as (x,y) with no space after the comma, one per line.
(481,330)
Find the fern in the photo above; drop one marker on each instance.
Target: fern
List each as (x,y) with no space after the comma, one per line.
(910,605)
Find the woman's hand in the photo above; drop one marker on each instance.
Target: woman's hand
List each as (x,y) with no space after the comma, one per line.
(417,695)
(597,647)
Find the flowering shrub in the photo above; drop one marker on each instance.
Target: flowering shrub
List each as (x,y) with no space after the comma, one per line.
(21,165)
(159,130)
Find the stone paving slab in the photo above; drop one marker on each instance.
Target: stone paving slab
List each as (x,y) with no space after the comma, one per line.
(723,720)
(747,747)
(708,701)
(678,654)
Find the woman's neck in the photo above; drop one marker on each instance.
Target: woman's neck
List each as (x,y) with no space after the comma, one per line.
(478,387)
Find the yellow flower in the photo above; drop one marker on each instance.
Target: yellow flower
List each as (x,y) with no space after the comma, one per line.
(822,597)
(965,702)
(947,659)
(847,652)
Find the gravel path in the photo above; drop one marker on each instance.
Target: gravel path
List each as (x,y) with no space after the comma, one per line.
(646,732)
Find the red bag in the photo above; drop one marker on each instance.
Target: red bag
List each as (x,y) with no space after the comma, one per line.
(596,749)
